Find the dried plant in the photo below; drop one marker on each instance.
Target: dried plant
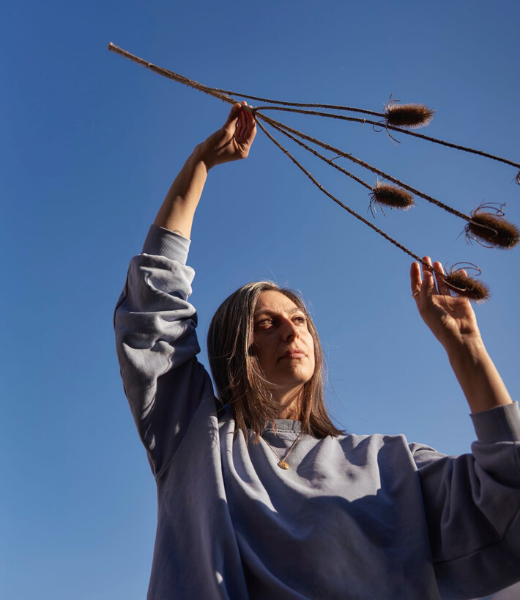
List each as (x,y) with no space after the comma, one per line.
(294,134)
(408,115)
(491,229)
(463,290)
(386,194)
(377,127)
(227,96)
(487,228)
(382,193)
(463,285)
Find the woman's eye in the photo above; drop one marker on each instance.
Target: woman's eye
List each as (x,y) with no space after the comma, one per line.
(264,323)
(301,320)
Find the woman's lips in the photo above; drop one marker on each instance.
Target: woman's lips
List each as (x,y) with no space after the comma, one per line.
(293,354)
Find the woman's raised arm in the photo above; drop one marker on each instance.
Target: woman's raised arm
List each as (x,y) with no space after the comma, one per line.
(231,142)
(453,322)
(155,322)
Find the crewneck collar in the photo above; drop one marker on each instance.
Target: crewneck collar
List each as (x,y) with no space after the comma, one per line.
(285,425)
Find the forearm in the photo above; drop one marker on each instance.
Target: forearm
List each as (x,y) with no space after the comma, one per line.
(178,209)
(478,376)
(231,142)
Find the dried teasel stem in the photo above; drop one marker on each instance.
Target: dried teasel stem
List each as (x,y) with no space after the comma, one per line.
(455,280)
(222,95)
(459,282)
(320,156)
(503,237)
(381,194)
(492,230)
(396,197)
(404,115)
(412,116)
(171,74)
(348,209)
(286,130)
(304,104)
(394,128)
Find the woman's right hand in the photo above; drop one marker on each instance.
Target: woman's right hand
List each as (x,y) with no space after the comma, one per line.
(232,141)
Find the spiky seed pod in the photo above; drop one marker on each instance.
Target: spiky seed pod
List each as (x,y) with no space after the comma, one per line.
(517,178)
(463,285)
(493,230)
(392,196)
(412,116)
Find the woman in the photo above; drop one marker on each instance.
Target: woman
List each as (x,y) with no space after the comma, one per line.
(259,495)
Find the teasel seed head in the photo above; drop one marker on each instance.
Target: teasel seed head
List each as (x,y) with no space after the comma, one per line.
(517,178)
(469,287)
(411,116)
(492,230)
(386,194)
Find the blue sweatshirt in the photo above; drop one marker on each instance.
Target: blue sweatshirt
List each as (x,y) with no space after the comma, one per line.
(355,517)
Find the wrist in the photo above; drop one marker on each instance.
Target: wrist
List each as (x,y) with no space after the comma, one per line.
(200,156)
(478,376)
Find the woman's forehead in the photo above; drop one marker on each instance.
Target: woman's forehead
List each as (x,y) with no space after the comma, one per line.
(272,300)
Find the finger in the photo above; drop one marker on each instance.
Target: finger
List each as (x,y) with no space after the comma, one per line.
(415,280)
(428,283)
(248,119)
(439,275)
(247,130)
(438,267)
(239,132)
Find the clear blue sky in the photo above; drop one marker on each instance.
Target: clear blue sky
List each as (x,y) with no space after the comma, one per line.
(91,144)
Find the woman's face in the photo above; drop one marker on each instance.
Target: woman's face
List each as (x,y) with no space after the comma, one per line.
(282,342)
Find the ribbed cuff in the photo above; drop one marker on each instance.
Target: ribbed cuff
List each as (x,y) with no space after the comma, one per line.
(498,424)
(163,242)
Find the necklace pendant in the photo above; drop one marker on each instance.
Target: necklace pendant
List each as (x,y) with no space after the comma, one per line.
(283,465)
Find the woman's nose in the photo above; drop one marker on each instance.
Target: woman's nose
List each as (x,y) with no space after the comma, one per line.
(290,330)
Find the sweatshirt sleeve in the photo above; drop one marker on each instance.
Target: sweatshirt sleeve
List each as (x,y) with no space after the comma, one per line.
(157,345)
(472,505)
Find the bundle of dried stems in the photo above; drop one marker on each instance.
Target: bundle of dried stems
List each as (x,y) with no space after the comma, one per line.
(485,224)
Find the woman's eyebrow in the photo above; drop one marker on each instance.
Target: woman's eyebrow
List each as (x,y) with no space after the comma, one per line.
(267,311)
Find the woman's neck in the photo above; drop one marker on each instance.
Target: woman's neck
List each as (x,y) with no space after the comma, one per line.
(290,404)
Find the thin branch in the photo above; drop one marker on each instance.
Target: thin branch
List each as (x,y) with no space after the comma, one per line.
(324,158)
(365,165)
(226,97)
(393,128)
(172,75)
(349,210)
(222,95)
(304,105)
(398,197)
(458,282)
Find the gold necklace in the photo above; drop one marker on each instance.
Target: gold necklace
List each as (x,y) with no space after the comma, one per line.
(282,463)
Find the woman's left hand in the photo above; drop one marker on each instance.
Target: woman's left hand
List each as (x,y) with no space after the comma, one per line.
(450,318)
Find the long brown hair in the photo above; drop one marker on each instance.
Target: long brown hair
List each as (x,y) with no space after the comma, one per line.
(239,379)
